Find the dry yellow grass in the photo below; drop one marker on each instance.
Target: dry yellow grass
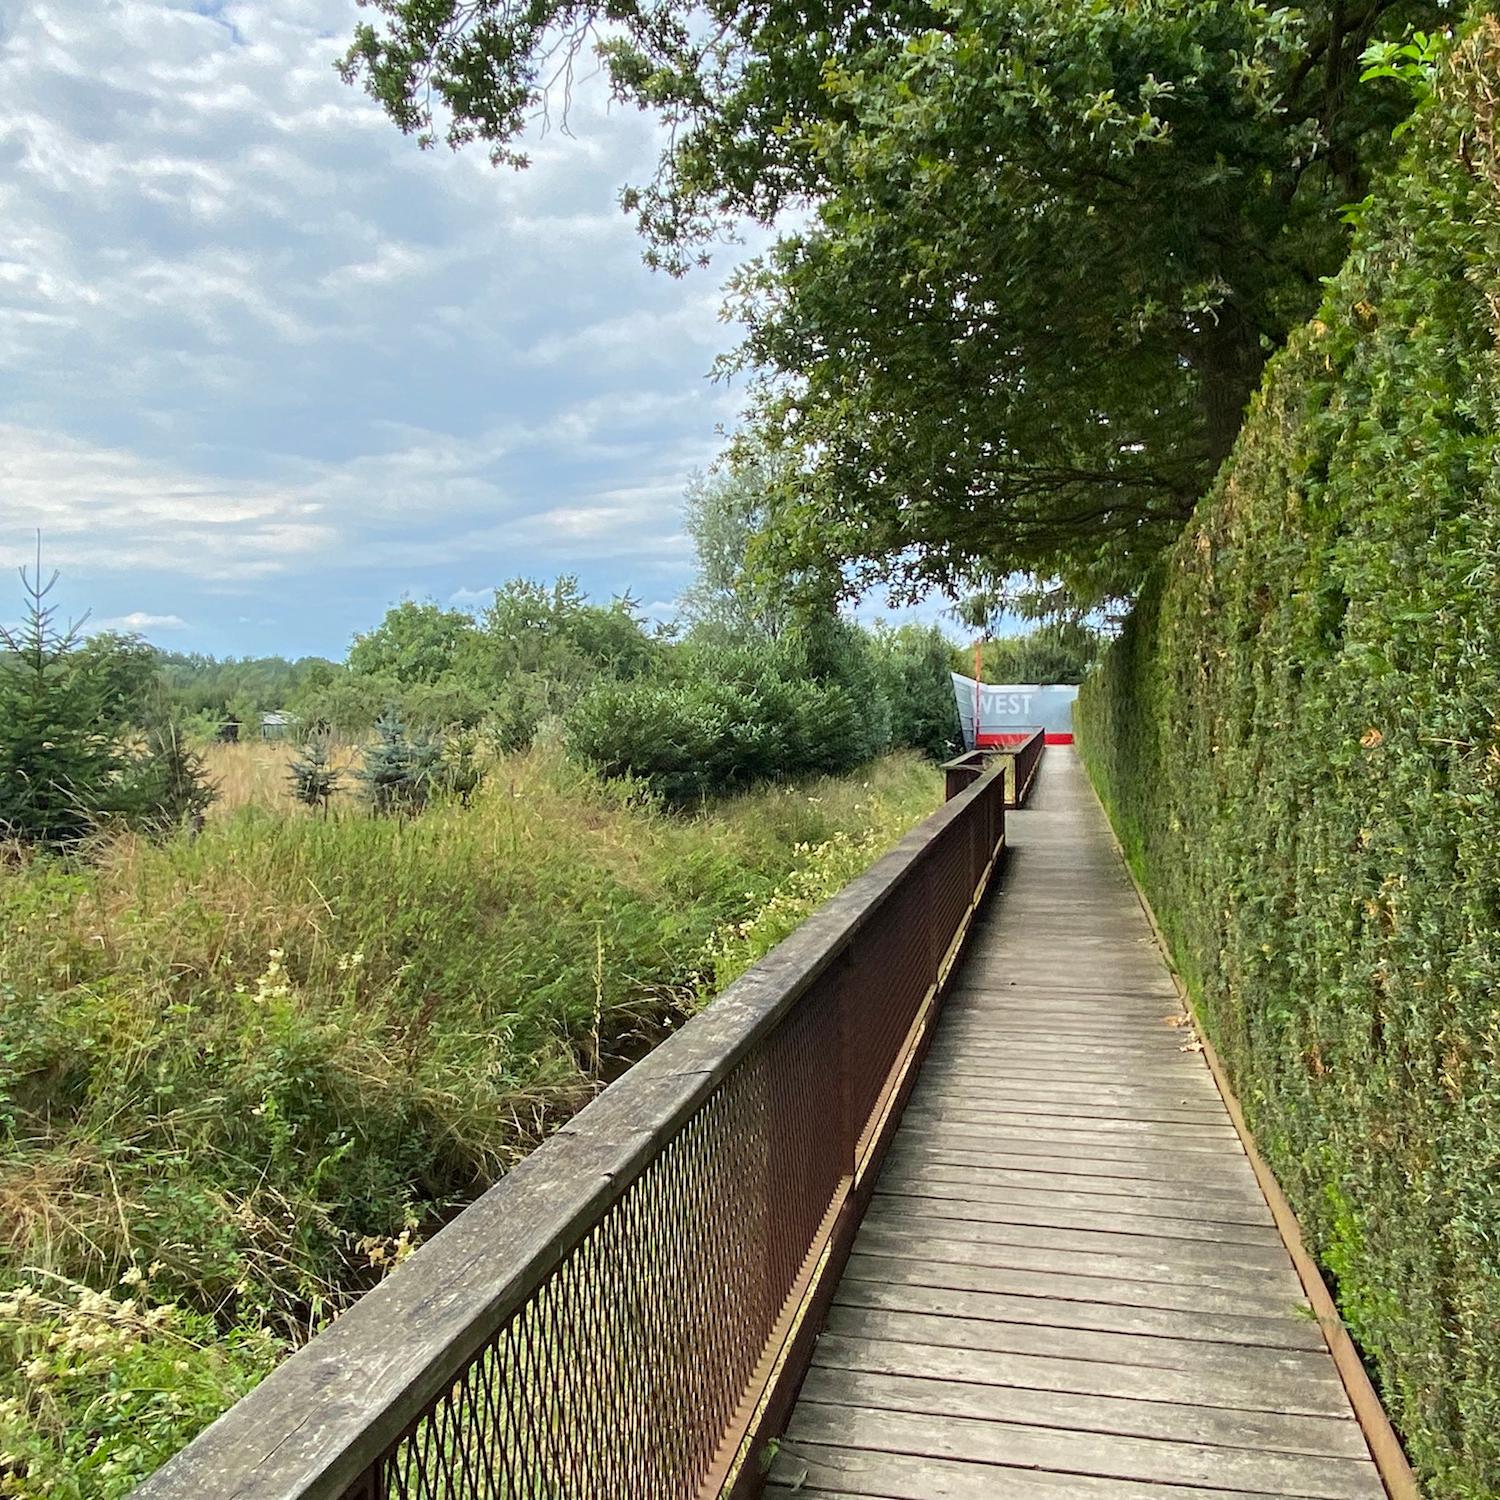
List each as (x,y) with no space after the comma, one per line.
(256,774)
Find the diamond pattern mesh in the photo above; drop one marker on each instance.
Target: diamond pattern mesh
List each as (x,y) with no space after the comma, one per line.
(630,1372)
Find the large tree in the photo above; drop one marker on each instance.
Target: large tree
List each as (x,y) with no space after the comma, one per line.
(1050,242)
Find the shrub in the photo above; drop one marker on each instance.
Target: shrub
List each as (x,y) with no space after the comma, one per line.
(728,720)
(916,677)
(167,785)
(1298,737)
(313,775)
(520,705)
(399,769)
(61,767)
(461,772)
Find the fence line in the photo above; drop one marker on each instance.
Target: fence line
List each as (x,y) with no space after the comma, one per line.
(1021,761)
(626,1315)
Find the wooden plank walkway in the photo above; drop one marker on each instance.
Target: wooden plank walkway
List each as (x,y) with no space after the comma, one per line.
(1068,1283)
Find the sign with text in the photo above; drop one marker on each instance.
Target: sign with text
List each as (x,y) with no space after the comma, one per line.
(1006,708)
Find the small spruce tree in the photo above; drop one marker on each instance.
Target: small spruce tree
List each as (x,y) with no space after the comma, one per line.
(60,764)
(314,776)
(399,768)
(462,774)
(168,785)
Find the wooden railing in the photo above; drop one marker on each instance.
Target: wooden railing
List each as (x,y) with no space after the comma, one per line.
(627,1315)
(1021,761)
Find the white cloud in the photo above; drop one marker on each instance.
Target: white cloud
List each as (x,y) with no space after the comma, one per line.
(140,621)
(249,332)
(109,510)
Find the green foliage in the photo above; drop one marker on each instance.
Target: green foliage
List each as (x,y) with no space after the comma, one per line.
(414,643)
(242,1074)
(825,697)
(822,871)
(167,784)
(110,1384)
(313,775)
(1053,242)
(462,769)
(347,704)
(728,720)
(1413,63)
(124,671)
(239,688)
(61,767)
(834,652)
(529,627)
(521,704)
(1061,652)
(729,603)
(525,658)
(399,769)
(1297,738)
(914,664)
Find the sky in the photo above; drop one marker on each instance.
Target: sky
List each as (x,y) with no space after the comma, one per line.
(266,367)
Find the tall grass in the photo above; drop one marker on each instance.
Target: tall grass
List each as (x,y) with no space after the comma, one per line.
(256,773)
(242,1074)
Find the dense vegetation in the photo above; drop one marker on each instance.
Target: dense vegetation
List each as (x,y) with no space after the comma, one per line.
(1297,737)
(269,1014)
(242,1073)
(1060,652)
(83,737)
(104,732)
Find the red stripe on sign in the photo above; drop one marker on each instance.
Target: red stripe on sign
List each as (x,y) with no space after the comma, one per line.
(1057,739)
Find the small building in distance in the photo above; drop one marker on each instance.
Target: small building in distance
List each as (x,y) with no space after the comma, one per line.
(278,725)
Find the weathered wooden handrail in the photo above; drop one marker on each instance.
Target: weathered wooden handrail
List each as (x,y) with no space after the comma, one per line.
(1022,760)
(627,1313)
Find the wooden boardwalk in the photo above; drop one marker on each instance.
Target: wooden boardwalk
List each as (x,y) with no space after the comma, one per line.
(1068,1283)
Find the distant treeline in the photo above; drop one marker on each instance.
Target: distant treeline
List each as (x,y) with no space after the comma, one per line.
(536,648)
(742,691)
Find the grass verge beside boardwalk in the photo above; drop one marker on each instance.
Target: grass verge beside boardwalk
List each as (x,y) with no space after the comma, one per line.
(242,1074)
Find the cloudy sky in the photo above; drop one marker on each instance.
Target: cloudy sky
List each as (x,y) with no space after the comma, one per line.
(266,367)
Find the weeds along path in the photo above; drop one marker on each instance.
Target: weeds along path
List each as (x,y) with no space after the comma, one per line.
(243,1074)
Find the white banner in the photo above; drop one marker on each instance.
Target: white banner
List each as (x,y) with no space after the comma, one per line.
(1008,706)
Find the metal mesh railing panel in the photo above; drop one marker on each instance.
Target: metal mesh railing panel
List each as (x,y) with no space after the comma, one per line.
(630,1372)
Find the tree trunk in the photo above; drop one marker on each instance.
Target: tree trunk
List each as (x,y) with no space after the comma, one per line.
(1229,360)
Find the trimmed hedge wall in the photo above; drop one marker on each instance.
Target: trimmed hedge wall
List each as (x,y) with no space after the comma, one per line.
(1296,736)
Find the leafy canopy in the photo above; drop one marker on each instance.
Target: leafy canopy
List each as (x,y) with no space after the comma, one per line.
(416,642)
(1052,241)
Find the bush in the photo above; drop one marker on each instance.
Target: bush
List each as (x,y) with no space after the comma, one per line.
(167,784)
(520,705)
(399,770)
(916,677)
(730,719)
(1298,738)
(314,776)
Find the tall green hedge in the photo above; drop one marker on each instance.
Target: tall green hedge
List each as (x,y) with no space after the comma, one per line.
(1297,738)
